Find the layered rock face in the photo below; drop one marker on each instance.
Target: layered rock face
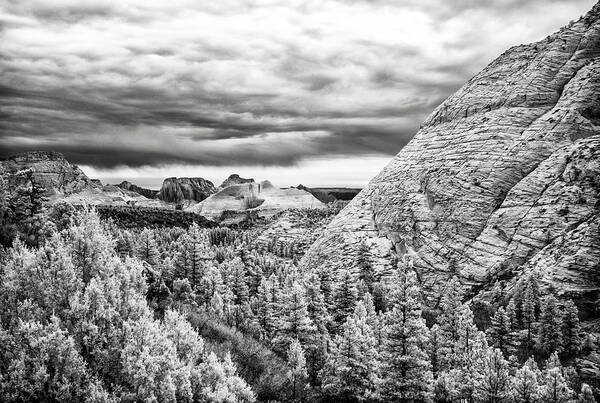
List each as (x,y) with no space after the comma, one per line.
(235,179)
(263,197)
(176,190)
(47,170)
(502,179)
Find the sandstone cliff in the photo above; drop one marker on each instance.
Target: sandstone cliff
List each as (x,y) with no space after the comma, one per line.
(502,179)
(235,179)
(262,197)
(45,169)
(178,190)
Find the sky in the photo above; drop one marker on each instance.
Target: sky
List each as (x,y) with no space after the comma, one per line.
(318,92)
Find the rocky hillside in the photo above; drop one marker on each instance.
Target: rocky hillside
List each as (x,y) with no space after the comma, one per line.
(50,175)
(502,179)
(49,171)
(263,197)
(235,179)
(178,190)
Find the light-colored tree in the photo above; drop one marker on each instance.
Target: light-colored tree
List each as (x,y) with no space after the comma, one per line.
(351,372)
(297,373)
(406,369)
(525,385)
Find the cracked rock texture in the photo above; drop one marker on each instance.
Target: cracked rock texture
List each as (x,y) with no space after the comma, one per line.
(502,179)
(47,169)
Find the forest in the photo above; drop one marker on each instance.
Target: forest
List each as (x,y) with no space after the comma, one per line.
(91,311)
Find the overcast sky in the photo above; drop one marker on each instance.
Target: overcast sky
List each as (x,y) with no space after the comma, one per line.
(319,92)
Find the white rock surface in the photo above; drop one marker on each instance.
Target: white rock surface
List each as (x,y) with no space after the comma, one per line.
(502,178)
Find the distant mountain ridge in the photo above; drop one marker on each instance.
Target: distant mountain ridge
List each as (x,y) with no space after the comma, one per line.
(61,181)
(501,181)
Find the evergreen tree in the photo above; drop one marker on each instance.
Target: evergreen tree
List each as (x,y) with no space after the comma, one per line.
(554,385)
(435,349)
(352,369)
(147,249)
(499,333)
(525,386)
(294,323)
(406,368)
(365,267)
(470,346)
(267,308)
(511,312)
(327,286)
(554,388)
(529,306)
(571,330)
(317,310)
(550,330)
(239,286)
(492,380)
(345,298)
(297,369)
(449,322)
(91,249)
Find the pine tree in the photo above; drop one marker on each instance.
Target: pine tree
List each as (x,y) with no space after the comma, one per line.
(294,323)
(554,384)
(511,312)
(499,332)
(435,349)
(239,286)
(267,308)
(406,368)
(525,387)
(555,388)
(529,304)
(365,267)
(352,369)
(345,297)
(571,330)
(449,321)
(466,350)
(549,337)
(147,249)
(297,369)
(492,380)
(317,310)
(327,286)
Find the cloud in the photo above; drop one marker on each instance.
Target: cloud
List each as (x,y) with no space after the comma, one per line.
(243,82)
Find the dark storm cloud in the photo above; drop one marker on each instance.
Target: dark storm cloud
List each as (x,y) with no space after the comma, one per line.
(243,82)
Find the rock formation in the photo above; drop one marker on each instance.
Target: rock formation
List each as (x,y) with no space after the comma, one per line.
(178,190)
(261,196)
(150,194)
(502,179)
(47,170)
(63,181)
(235,179)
